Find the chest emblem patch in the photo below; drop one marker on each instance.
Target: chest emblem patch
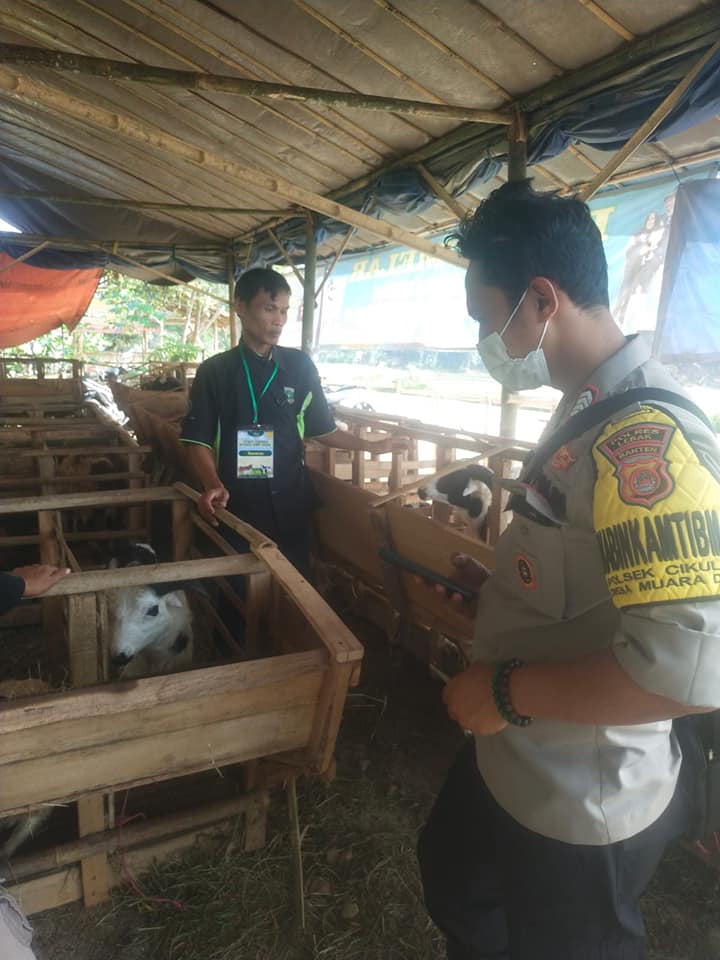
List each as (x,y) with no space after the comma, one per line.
(638,455)
(289,394)
(562,459)
(526,571)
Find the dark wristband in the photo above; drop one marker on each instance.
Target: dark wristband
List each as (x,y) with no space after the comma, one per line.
(501,693)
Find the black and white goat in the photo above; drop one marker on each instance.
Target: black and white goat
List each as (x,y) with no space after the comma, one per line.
(469,490)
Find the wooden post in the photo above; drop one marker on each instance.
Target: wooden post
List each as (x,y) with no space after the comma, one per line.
(296,844)
(82,636)
(182,529)
(358,464)
(443,458)
(517,170)
(308,316)
(397,473)
(232,316)
(52,608)
(517,147)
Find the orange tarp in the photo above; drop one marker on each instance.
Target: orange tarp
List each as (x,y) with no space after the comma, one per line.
(35,300)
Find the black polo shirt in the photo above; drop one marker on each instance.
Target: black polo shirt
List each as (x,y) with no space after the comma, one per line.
(294,405)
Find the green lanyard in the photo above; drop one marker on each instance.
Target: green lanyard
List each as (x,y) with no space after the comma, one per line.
(250,385)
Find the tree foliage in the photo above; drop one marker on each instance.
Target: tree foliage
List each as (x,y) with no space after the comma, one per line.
(138,319)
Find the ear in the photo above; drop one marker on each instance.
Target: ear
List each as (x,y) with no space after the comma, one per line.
(173,599)
(547,298)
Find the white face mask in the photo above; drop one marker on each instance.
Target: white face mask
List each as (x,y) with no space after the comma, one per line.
(514,373)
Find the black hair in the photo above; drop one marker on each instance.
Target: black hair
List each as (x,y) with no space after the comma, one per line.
(517,234)
(260,278)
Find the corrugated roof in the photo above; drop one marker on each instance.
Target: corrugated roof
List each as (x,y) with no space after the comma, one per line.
(484,55)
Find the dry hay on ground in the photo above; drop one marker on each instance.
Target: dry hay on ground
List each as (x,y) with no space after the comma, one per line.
(359,852)
(363,897)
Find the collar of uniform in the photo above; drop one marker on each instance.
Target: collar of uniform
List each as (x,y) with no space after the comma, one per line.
(276,355)
(614,370)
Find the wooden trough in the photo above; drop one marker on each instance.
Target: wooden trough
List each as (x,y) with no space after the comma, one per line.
(276,713)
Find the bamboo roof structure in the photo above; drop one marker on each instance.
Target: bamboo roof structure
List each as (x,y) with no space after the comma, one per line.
(213,124)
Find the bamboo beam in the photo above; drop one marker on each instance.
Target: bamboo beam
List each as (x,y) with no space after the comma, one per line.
(285,255)
(172,19)
(338,253)
(138,204)
(651,124)
(446,51)
(29,90)
(25,256)
(439,190)
(651,170)
(239,86)
(232,316)
(341,124)
(517,148)
(308,315)
(604,17)
(583,158)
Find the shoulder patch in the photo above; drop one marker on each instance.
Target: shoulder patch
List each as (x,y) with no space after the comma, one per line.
(656,513)
(638,454)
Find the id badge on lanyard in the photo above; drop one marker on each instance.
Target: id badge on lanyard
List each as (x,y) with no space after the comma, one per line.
(255,452)
(255,447)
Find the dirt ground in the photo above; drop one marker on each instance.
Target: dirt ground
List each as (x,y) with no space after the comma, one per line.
(363,893)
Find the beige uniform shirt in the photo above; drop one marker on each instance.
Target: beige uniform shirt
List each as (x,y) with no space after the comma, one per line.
(615,544)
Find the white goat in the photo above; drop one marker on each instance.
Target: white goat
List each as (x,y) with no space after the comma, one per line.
(150,633)
(150,627)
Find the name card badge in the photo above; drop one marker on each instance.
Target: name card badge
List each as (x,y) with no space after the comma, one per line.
(255,452)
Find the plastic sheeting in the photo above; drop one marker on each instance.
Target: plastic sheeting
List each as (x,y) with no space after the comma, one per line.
(603,117)
(34,301)
(689,314)
(180,262)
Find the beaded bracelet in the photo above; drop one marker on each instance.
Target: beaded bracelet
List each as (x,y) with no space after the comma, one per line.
(501,693)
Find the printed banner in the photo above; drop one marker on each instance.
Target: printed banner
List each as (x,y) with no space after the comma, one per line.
(403,297)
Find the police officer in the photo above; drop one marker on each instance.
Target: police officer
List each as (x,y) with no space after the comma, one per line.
(250,410)
(600,624)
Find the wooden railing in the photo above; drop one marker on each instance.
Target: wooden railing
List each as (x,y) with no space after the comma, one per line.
(433,449)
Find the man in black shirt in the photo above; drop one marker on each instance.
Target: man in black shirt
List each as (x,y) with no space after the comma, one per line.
(251,408)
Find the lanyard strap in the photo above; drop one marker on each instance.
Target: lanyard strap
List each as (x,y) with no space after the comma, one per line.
(250,384)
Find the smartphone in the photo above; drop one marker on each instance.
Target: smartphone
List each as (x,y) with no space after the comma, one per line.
(398,560)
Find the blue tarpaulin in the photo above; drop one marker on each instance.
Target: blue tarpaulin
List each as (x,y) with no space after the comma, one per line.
(689,313)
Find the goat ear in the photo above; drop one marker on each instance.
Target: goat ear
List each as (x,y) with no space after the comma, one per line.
(480,472)
(173,599)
